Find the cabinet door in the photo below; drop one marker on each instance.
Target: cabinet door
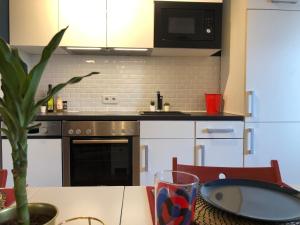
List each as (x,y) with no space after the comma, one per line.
(44,162)
(86,20)
(219,152)
(156,154)
(279,141)
(268,4)
(273,65)
(32,22)
(130,23)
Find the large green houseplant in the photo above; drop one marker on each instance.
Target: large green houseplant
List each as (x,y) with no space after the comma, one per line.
(18,110)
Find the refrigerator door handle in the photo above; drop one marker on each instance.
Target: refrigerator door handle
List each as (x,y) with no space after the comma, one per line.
(248,144)
(285,1)
(249,103)
(200,157)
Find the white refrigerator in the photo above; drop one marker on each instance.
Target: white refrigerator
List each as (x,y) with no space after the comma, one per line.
(273,91)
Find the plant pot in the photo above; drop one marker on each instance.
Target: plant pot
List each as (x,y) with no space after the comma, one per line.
(35,209)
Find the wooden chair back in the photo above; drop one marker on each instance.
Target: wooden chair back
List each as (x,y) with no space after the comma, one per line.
(3,177)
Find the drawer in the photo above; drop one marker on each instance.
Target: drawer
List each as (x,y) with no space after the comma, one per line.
(268,4)
(219,129)
(167,129)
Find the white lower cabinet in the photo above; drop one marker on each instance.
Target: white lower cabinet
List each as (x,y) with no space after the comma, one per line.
(219,152)
(44,162)
(219,143)
(160,142)
(206,143)
(156,155)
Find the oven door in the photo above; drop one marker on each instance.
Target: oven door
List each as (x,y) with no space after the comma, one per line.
(93,161)
(187,25)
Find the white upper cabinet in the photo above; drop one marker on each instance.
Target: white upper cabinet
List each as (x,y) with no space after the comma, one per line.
(32,22)
(212,1)
(86,20)
(274,4)
(130,23)
(92,23)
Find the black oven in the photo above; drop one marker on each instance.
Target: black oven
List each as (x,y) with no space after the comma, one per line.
(187,25)
(100,153)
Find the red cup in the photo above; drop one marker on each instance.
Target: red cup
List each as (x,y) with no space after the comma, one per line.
(213,103)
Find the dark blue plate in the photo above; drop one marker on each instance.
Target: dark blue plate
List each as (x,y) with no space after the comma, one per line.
(253,199)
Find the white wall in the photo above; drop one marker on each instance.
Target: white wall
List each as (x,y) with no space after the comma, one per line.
(233,55)
(183,81)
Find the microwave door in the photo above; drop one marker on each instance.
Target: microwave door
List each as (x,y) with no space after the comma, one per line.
(180,26)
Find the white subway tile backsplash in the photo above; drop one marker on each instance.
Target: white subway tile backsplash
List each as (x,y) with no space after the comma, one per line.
(182,81)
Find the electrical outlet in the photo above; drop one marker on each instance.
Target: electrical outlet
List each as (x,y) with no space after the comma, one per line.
(106,99)
(109,99)
(113,99)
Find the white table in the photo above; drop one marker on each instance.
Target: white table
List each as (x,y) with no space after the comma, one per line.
(103,202)
(136,210)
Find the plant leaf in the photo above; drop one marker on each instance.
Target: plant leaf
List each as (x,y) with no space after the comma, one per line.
(60,86)
(34,126)
(12,63)
(36,73)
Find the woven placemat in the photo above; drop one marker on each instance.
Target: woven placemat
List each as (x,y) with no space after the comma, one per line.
(206,214)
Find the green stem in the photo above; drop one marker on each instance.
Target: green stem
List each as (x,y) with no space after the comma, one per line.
(19,155)
(21,196)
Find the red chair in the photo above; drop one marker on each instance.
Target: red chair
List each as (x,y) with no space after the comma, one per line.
(3,177)
(207,173)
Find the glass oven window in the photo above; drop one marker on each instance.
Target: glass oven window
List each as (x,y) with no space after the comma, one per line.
(94,163)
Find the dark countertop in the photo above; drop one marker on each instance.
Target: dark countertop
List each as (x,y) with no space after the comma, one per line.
(127,116)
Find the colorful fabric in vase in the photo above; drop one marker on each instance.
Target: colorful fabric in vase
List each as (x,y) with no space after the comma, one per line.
(175,206)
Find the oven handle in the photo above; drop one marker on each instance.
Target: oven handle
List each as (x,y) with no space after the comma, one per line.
(101,141)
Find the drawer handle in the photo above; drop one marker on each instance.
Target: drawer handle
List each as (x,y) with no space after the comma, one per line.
(220,131)
(285,2)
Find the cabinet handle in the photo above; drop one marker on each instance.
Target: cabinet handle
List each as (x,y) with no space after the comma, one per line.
(285,2)
(249,103)
(200,148)
(223,131)
(145,168)
(248,146)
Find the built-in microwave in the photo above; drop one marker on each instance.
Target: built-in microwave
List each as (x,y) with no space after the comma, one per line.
(187,25)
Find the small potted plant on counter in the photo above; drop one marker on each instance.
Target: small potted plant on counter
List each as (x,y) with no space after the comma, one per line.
(167,107)
(152,106)
(18,110)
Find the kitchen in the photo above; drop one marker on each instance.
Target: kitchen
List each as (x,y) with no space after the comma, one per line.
(183,81)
